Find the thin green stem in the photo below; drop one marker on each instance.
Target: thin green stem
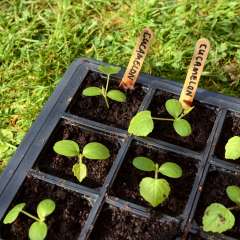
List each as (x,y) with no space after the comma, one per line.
(156,171)
(163,119)
(108,78)
(104,93)
(30,215)
(80,158)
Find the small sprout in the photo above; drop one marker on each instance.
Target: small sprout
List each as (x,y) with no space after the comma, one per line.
(93,150)
(232,148)
(217,218)
(115,95)
(155,191)
(38,229)
(142,123)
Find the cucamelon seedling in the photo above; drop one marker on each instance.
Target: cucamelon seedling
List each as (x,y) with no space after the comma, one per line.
(232,148)
(113,94)
(218,218)
(38,230)
(156,190)
(142,123)
(93,150)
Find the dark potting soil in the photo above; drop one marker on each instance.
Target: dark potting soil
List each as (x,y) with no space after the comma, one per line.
(126,185)
(214,190)
(94,108)
(201,118)
(64,223)
(231,127)
(116,224)
(61,166)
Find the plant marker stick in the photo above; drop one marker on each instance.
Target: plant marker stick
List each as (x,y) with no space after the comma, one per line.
(194,73)
(137,58)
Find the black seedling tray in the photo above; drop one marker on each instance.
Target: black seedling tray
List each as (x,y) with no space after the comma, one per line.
(111,194)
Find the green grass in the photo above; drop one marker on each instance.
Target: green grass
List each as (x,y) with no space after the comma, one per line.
(40,38)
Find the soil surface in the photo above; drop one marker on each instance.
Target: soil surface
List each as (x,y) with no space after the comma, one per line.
(214,190)
(64,223)
(94,108)
(126,185)
(231,127)
(201,118)
(116,224)
(61,166)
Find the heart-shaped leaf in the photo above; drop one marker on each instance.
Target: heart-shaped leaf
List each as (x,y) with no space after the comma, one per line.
(233,192)
(141,124)
(108,70)
(66,148)
(45,208)
(217,218)
(232,148)
(174,107)
(182,127)
(92,91)
(79,171)
(171,169)
(38,231)
(95,150)
(117,95)
(13,213)
(144,164)
(154,191)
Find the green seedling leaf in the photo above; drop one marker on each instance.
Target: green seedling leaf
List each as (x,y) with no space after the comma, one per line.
(117,95)
(141,124)
(233,192)
(108,70)
(174,107)
(79,171)
(144,164)
(38,231)
(45,208)
(182,127)
(232,148)
(154,191)
(171,169)
(217,218)
(66,148)
(92,91)
(95,150)
(13,213)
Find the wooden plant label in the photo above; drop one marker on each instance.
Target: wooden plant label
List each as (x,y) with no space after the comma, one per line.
(194,73)
(137,58)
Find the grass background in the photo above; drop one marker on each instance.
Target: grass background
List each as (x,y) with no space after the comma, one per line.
(40,38)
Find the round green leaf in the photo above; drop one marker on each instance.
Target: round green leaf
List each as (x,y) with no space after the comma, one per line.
(182,127)
(95,150)
(79,171)
(117,95)
(92,91)
(141,124)
(232,148)
(154,191)
(171,169)
(13,213)
(38,231)
(144,164)
(233,192)
(173,107)
(45,208)
(108,70)
(217,218)
(66,148)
